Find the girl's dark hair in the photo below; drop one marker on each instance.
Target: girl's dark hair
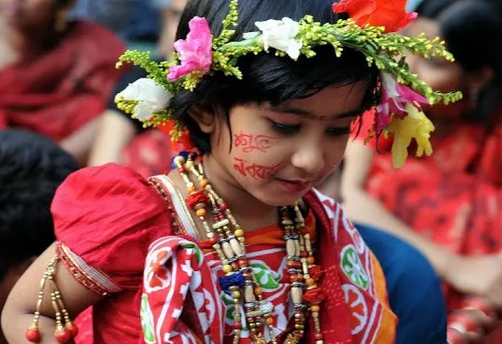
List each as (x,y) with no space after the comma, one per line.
(267,78)
(472,30)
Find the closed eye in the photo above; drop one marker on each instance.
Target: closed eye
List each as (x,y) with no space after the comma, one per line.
(285,129)
(338,131)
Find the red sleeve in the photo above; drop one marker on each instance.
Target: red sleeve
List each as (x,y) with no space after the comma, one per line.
(106,217)
(362,128)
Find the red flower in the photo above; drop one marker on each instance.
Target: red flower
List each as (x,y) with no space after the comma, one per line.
(388,13)
(183,143)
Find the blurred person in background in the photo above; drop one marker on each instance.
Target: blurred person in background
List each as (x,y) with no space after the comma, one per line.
(123,140)
(447,205)
(32,167)
(55,75)
(143,24)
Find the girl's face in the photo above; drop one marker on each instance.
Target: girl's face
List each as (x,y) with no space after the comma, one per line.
(277,153)
(28,15)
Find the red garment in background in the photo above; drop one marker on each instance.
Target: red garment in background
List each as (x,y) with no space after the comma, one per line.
(59,91)
(149,153)
(453,197)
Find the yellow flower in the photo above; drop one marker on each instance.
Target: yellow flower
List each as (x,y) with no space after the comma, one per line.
(414,126)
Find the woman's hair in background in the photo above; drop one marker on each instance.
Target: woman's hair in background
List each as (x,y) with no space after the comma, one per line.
(472,30)
(268,78)
(32,167)
(58,4)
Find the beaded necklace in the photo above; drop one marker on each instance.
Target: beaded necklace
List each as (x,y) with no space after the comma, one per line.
(227,239)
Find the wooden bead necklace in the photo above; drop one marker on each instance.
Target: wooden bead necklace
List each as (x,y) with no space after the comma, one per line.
(227,239)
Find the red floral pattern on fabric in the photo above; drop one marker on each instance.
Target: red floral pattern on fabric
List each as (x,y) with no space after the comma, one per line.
(198,310)
(110,215)
(454,197)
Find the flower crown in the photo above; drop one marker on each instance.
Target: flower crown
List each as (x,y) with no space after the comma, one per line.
(369,30)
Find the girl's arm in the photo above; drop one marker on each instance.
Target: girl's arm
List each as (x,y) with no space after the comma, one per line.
(361,207)
(18,312)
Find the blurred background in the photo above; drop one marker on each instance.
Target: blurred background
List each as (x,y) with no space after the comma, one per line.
(58,81)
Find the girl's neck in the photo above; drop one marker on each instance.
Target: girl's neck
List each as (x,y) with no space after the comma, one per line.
(250,212)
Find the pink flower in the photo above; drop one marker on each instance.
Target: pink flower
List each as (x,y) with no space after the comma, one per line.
(394,99)
(195,52)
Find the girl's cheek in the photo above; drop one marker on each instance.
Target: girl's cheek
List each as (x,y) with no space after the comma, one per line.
(249,149)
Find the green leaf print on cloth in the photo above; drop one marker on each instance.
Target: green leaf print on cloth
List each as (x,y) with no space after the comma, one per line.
(353,268)
(267,279)
(147,320)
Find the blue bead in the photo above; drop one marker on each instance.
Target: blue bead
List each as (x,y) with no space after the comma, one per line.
(237,279)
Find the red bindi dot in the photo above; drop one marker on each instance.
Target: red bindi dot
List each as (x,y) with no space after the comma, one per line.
(322,118)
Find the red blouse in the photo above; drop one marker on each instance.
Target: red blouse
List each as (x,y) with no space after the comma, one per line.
(119,214)
(106,218)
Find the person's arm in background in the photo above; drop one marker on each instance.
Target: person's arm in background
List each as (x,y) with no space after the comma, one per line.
(363,208)
(79,143)
(116,129)
(114,134)
(479,275)
(170,12)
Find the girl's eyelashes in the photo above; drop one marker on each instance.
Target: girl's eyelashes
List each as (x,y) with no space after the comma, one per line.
(339,131)
(290,129)
(285,129)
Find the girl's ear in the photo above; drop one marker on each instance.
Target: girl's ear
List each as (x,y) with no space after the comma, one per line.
(204,116)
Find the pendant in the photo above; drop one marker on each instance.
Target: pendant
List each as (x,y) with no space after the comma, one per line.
(258,339)
(292,339)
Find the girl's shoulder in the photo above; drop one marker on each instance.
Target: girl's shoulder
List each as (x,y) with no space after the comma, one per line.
(103,214)
(108,194)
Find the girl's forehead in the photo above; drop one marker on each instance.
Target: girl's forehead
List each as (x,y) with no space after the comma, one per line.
(330,102)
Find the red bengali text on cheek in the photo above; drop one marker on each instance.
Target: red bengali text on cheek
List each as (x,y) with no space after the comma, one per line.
(253,170)
(250,143)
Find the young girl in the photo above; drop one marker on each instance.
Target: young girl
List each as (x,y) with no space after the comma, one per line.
(269,106)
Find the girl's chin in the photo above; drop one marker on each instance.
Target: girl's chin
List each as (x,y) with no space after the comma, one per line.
(283,199)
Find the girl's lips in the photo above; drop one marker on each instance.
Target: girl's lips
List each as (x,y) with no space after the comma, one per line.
(294,186)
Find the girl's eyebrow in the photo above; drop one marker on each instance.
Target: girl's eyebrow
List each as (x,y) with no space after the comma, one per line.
(310,115)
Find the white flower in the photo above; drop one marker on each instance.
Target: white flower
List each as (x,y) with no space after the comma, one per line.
(151,97)
(281,35)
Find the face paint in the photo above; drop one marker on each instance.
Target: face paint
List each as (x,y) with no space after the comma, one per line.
(250,142)
(255,171)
